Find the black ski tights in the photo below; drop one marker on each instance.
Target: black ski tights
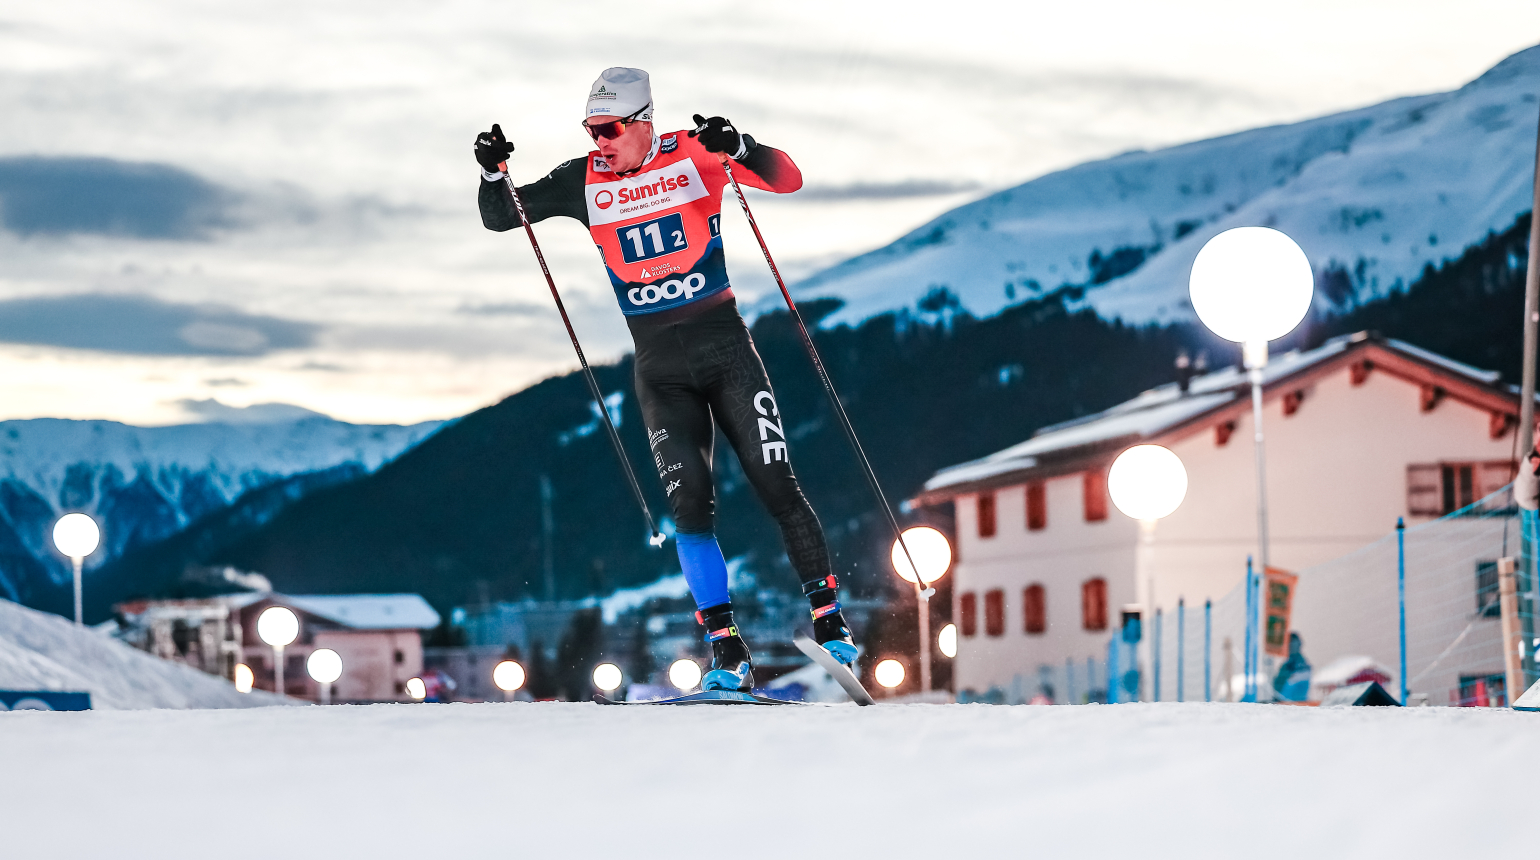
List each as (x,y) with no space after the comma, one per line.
(690,371)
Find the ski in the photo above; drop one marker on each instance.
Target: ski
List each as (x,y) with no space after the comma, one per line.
(837,670)
(705,697)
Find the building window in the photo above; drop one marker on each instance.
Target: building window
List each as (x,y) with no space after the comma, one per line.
(968,613)
(986,515)
(1487,595)
(1037,508)
(1095,486)
(400,656)
(1435,489)
(1034,609)
(1093,604)
(994,612)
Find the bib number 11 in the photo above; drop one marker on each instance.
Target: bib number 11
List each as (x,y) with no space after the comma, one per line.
(651,239)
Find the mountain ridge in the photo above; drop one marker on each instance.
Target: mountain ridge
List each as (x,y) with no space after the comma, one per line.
(144,484)
(1372,194)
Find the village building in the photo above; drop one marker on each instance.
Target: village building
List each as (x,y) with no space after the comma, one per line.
(378,636)
(1359,432)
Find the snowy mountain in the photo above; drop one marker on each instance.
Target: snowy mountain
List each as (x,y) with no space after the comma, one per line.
(1372,195)
(146,483)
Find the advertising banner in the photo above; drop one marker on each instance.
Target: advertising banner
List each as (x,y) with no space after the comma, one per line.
(1277,607)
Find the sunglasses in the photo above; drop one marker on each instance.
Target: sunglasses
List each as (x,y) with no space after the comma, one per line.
(614,128)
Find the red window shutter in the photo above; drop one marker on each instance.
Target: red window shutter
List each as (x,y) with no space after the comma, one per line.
(1095,485)
(968,613)
(1034,606)
(1037,508)
(986,515)
(994,612)
(1093,604)
(1424,490)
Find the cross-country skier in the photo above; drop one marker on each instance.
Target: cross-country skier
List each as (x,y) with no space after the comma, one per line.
(653,206)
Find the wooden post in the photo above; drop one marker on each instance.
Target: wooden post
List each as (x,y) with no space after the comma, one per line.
(1513,631)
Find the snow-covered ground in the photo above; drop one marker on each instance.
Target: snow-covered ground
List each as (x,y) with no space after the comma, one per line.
(581,780)
(40,651)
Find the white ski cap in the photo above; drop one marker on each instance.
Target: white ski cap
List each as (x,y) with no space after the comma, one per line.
(621,92)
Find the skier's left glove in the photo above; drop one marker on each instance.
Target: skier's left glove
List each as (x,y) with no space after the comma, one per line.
(718,135)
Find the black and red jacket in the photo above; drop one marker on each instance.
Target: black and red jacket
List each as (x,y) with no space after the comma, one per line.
(658,228)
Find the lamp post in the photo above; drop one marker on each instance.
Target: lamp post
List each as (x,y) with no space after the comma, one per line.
(947,641)
(509,677)
(1146,483)
(244,679)
(325,666)
(1251,285)
(684,674)
(607,677)
(933,554)
(889,673)
(278,626)
(77,536)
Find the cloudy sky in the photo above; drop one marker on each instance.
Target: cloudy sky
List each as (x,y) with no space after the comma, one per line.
(275,202)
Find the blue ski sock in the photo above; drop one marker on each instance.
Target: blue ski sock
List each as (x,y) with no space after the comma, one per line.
(704,568)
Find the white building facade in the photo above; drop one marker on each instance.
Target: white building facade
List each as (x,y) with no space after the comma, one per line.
(1360,432)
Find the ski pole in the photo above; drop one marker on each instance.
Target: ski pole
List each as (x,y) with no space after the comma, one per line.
(921,588)
(655,537)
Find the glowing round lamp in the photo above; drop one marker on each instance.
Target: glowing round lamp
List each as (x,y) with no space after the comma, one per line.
(931,551)
(76,535)
(1147,482)
(244,679)
(417,689)
(508,676)
(947,641)
(1251,284)
(889,673)
(607,677)
(324,665)
(278,626)
(684,674)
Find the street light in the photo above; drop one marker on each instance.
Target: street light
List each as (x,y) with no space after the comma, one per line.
(278,626)
(684,674)
(416,689)
(77,536)
(1251,285)
(325,666)
(889,673)
(933,555)
(244,679)
(509,677)
(1147,482)
(607,677)
(947,641)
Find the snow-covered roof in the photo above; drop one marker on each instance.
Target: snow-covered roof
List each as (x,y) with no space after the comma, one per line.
(1166,407)
(366,611)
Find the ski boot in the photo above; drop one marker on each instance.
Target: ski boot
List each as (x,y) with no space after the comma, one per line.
(731,666)
(829,627)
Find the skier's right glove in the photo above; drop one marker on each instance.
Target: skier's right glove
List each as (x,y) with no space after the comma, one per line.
(492,151)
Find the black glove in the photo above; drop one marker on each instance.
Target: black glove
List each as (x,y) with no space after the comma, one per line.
(718,135)
(492,149)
